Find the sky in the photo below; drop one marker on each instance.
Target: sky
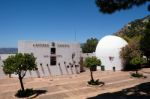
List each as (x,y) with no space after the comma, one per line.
(59,20)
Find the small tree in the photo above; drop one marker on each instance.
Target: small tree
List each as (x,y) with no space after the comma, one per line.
(19,64)
(136,62)
(91,63)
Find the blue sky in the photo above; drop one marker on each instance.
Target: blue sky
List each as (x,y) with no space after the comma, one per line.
(59,20)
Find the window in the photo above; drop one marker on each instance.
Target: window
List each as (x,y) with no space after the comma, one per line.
(53,60)
(53,50)
(111,58)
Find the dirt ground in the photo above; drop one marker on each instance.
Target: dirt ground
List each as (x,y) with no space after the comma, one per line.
(75,86)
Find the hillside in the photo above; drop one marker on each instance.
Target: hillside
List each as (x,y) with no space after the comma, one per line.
(133,28)
(8,50)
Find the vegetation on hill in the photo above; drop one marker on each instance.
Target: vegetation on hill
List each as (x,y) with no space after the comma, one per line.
(134,28)
(137,34)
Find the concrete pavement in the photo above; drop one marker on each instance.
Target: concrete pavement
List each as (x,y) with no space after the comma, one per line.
(72,86)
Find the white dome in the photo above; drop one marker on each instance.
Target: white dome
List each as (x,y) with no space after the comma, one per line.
(110,46)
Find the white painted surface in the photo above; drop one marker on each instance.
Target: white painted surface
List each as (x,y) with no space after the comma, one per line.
(110,46)
(63,54)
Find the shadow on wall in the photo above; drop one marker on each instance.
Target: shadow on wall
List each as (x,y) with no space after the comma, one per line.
(141,91)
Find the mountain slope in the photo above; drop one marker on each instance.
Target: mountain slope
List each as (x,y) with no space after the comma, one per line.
(133,28)
(8,50)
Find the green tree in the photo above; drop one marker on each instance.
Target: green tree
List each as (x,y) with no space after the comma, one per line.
(134,28)
(90,45)
(137,62)
(19,65)
(91,63)
(130,52)
(145,42)
(111,6)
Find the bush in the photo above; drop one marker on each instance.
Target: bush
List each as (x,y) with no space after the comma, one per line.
(138,75)
(96,82)
(25,93)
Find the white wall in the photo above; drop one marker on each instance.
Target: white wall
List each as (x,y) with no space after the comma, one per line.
(110,46)
(115,62)
(63,54)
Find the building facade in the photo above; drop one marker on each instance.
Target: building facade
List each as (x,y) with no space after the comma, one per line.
(52,58)
(108,51)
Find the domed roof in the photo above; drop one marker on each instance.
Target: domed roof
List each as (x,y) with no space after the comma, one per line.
(110,45)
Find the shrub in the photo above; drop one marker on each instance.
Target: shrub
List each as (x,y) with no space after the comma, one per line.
(25,93)
(138,75)
(96,82)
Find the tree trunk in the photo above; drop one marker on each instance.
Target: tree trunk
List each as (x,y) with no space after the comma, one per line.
(92,79)
(9,75)
(136,71)
(21,83)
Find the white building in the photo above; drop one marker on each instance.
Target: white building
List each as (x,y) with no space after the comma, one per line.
(53,58)
(108,51)
(59,58)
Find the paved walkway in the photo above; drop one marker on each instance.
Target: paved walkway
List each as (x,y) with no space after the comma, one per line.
(72,86)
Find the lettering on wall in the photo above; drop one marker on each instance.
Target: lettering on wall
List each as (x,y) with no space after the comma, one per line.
(47,45)
(63,45)
(40,45)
